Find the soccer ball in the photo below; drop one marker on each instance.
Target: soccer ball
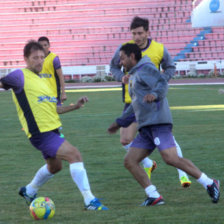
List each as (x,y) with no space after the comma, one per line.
(42,208)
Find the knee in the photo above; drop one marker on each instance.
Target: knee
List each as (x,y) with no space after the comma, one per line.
(55,169)
(125,141)
(74,155)
(128,163)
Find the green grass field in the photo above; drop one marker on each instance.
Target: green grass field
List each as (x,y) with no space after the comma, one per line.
(199,131)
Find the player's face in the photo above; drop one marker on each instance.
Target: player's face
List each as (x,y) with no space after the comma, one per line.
(125,61)
(45,46)
(35,61)
(140,36)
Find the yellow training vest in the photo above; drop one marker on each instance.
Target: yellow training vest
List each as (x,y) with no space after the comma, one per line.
(48,72)
(155,52)
(36,105)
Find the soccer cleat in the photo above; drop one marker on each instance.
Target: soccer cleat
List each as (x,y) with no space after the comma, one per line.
(153,201)
(185,182)
(28,199)
(95,204)
(150,169)
(213,191)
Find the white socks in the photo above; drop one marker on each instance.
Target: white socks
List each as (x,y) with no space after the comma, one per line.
(147,163)
(79,176)
(151,191)
(40,178)
(204,180)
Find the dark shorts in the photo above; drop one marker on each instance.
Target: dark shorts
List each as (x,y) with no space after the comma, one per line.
(48,143)
(131,118)
(150,137)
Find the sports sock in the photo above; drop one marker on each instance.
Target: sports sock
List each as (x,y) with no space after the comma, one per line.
(179,153)
(204,180)
(79,176)
(151,191)
(147,163)
(40,178)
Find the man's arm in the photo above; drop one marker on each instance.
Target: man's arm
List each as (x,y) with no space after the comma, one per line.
(168,65)
(14,80)
(115,67)
(80,103)
(62,84)
(58,70)
(120,121)
(156,82)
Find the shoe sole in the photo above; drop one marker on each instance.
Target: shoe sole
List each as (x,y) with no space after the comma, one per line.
(160,203)
(216,201)
(186,184)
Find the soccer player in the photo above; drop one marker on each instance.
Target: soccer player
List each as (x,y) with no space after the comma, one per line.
(38,113)
(159,56)
(148,89)
(52,70)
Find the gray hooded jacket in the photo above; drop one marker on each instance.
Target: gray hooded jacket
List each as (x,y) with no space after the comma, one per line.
(146,79)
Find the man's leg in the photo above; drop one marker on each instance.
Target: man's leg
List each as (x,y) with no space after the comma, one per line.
(131,162)
(171,158)
(126,137)
(128,134)
(48,144)
(45,173)
(29,192)
(79,175)
(183,177)
(54,149)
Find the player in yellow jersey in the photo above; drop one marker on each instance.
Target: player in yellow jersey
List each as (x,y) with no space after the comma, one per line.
(159,56)
(52,70)
(38,113)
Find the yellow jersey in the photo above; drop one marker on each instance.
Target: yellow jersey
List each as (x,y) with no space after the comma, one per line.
(36,105)
(155,52)
(48,72)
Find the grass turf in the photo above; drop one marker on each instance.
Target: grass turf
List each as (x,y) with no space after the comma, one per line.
(198,131)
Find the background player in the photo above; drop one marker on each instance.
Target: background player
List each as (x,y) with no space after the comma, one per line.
(52,70)
(159,56)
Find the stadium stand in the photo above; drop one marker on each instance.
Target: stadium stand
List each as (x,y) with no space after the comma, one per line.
(86,33)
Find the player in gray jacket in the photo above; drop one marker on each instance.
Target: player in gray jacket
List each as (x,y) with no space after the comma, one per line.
(148,89)
(160,57)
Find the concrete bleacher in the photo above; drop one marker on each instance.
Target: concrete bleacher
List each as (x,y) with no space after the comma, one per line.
(87,33)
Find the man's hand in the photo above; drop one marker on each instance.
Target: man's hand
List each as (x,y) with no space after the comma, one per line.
(125,79)
(63,97)
(81,101)
(149,98)
(113,128)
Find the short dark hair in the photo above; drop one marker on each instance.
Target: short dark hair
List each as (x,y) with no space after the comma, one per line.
(132,48)
(43,38)
(138,22)
(31,46)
